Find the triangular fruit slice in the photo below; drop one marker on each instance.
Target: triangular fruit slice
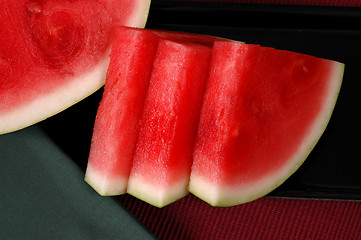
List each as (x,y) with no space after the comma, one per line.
(54,53)
(163,157)
(262,113)
(117,122)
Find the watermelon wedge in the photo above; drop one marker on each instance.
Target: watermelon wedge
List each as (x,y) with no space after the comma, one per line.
(163,156)
(263,112)
(117,122)
(54,53)
(224,120)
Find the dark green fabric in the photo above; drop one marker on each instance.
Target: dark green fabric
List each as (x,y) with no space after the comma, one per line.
(43,195)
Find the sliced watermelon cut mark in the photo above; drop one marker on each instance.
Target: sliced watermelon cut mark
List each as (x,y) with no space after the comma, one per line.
(263,112)
(163,157)
(54,53)
(117,122)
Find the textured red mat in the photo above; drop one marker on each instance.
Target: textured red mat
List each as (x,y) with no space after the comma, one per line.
(266,218)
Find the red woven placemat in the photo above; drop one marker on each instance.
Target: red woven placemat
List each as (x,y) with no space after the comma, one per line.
(265,218)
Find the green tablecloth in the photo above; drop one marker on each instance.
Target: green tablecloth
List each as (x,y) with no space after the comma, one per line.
(43,196)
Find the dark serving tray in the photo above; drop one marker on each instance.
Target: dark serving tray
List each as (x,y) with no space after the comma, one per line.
(42,192)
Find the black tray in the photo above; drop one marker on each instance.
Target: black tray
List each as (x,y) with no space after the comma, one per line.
(333,169)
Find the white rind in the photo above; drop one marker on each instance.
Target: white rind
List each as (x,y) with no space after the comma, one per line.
(56,101)
(157,195)
(140,19)
(221,195)
(71,93)
(105,186)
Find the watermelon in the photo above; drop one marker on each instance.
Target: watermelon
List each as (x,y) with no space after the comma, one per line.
(163,156)
(53,53)
(263,112)
(117,122)
(224,120)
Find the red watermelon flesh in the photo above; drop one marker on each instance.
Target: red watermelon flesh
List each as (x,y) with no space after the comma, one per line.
(53,53)
(177,36)
(117,122)
(262,113)
(163,157)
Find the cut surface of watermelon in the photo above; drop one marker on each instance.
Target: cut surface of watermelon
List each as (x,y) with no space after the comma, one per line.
(163,156)
(55,53)
(263,112)
(117,122)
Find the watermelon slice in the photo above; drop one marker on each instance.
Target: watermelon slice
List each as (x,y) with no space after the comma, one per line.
(117,122)
(53,53)
(163,157)
(263,112)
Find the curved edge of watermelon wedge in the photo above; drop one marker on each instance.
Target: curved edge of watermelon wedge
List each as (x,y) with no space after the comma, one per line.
(76,90)
(50,104)
(140,19)
(102,185)
(157,195)
(225,196)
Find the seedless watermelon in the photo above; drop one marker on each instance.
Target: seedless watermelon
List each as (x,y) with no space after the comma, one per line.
(163,156)
(230,119)
(117,122)
(262,113)
(179,73)
(53,53)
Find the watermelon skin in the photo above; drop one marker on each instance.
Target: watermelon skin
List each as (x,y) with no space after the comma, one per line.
(117,122)
(55,53)
(163,157)
(263,112)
